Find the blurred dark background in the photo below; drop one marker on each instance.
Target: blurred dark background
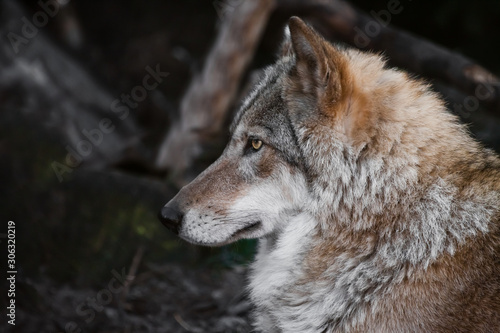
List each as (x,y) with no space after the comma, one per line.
(78,227)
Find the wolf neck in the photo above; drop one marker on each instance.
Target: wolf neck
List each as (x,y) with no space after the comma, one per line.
(279,254)
(414,214)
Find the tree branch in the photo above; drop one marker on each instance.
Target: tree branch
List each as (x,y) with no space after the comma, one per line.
(205,105)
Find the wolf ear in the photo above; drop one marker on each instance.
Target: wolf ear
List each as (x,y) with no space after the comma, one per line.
(318,64)
(321,83)
(311,59)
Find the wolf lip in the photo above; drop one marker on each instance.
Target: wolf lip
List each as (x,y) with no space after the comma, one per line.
(249,227)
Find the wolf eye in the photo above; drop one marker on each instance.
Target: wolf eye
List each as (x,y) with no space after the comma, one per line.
(256,144)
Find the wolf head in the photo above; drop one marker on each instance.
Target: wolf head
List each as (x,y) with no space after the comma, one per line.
(297,142)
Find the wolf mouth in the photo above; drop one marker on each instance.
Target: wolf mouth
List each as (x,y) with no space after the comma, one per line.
(250,227)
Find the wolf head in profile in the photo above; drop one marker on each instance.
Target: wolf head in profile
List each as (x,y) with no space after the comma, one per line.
(375,209)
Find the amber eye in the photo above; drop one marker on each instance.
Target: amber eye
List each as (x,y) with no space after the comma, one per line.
(256,144)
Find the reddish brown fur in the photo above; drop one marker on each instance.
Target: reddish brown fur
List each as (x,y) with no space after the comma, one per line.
(457,293)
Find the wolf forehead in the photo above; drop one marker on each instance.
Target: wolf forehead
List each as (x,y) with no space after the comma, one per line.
(265,105)
(264,114)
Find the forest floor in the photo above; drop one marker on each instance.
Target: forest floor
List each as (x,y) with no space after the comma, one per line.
(164,298)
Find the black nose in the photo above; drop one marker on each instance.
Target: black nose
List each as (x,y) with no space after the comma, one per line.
(171,218)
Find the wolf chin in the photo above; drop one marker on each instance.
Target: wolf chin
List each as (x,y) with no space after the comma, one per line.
(374,208)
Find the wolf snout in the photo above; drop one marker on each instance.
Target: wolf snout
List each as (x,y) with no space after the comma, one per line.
(171,217)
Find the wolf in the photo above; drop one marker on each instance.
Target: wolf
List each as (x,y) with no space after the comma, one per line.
(375,209)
